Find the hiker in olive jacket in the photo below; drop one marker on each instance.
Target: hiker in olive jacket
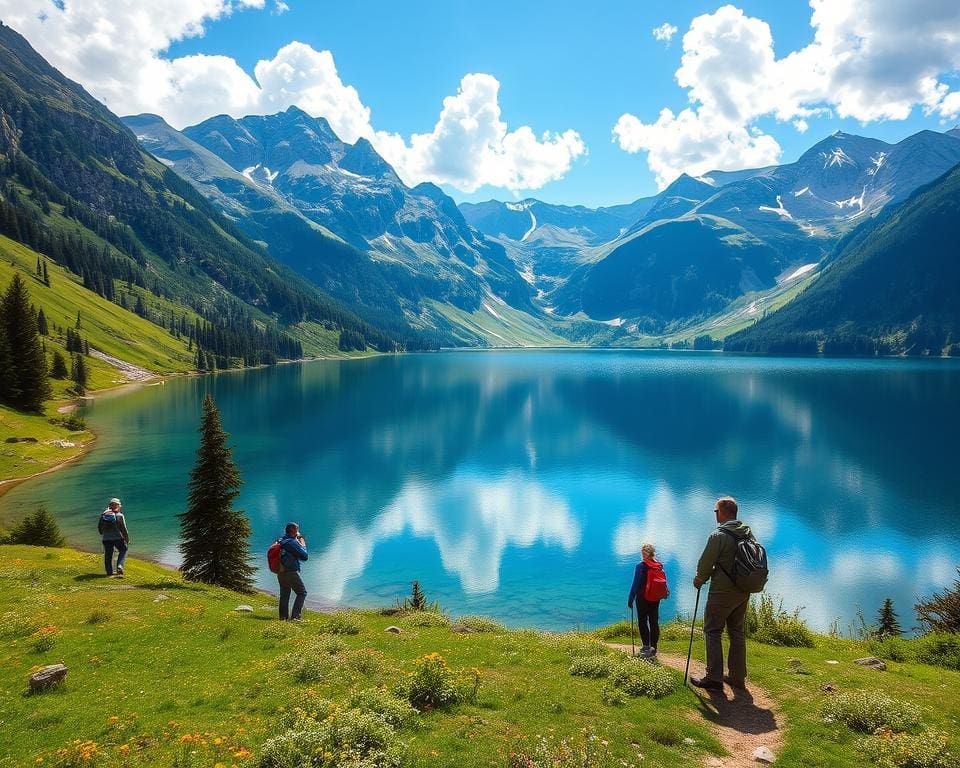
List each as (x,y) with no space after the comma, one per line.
(726,604)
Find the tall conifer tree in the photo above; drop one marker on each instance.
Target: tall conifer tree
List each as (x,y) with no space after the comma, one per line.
(214,538)
(26,385)
(888,624)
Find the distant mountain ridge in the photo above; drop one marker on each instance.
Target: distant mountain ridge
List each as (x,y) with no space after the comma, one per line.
(416,235)
(892,288)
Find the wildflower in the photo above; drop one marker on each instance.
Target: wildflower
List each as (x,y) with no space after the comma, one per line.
(243,753)
(124,749)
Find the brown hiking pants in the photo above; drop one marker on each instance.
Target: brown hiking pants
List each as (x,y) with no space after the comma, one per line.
(726,609)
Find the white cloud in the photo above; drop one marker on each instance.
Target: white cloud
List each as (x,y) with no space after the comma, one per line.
(665,32)
(470,145)
(863,63)
(116,50)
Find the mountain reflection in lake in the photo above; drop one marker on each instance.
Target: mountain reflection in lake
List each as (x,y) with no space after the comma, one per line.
(521,484)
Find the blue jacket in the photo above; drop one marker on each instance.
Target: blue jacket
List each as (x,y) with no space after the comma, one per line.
(291,553)
(639,585)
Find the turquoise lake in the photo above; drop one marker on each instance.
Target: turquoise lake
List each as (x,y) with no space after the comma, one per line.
(521,484)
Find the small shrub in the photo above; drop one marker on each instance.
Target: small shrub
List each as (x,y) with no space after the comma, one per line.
(305,710)
(938,649)
(394,710)
(615,631)
(309,667)
(14,625)
(586,751)
(433,685)
(927,749)
(612,696)
(941,613)
(225,633)
(775,626)
(425,619)
(367,661)
(38,529)
(664,734)
(281,630)
(592,666)
(480,624)
(99,617)
(43,644)
(637,677)
(346,738)
(868,711)
(339,624)
(575,645)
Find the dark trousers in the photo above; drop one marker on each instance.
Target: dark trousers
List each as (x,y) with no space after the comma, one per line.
(108,546)
(726,609)
(290,581)
(648,618)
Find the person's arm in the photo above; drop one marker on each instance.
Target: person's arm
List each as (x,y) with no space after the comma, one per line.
(708,561)
(639,581)
(122,522)
(295,548)
(100,524)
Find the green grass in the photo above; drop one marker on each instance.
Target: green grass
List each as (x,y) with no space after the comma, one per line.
(25,459)
(153,680)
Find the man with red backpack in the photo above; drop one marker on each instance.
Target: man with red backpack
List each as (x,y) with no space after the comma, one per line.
(284,558)
(648,589)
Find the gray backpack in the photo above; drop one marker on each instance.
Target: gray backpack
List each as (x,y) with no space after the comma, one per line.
(750,570)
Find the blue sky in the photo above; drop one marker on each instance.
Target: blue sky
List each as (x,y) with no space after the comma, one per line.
(560,68)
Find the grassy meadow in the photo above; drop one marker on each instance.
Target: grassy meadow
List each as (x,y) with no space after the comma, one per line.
(167,673)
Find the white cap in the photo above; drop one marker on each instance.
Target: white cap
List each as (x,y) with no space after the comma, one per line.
(115,501)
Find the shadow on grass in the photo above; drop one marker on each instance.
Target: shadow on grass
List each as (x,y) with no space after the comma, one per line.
(90,577)
(739,712)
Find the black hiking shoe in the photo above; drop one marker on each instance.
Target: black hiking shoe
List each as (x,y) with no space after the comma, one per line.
(741,685)
(707,685)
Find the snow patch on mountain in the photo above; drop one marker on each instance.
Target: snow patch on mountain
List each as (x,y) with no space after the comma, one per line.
(248,172)
(533,226)
(853,202)
(779,210)
(837,158)
(799,272)
(804,191)
(877,161)
(492,311)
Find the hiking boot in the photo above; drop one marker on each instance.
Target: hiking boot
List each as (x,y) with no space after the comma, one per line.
(706,684)
(119,570)
(739,684)
(644,652)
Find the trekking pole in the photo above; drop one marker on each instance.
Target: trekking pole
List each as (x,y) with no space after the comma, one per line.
(633,648)
(696,607)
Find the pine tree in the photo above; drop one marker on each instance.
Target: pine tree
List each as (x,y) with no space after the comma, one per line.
(46,274)
(42,327)
(58,367)
(79,325)
(25,384)
(39,268)
(888,625)
(79,374)
(215,539)
(38,529)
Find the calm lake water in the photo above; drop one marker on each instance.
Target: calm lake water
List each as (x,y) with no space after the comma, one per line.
(522,484)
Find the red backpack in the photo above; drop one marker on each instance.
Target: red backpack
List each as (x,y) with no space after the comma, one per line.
(273,557)
(656,588)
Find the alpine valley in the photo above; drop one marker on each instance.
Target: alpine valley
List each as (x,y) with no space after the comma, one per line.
(274,238)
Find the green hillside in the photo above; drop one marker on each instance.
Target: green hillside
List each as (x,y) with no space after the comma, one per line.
(892,288)
(75,185)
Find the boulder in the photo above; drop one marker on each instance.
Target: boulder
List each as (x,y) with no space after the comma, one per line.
(52,674)
(872,662)
(244,609)
(160,598)
(394,629)
(763,755)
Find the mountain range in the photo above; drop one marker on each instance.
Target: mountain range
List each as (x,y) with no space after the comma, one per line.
(274,220)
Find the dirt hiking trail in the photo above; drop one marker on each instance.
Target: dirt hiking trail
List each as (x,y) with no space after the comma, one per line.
(741,720)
